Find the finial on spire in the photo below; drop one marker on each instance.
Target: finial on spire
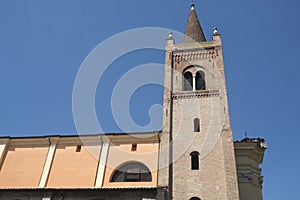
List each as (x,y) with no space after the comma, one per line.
(192,6)
(216,31)
(170,40)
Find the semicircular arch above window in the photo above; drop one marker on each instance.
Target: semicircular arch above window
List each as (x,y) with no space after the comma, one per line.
(195,198)
(193,78)
(132,172)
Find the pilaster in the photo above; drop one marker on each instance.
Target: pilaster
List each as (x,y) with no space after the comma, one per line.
(47,167)
(102,163)
(3,146)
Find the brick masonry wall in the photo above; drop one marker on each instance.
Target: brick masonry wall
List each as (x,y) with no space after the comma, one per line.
(216,178)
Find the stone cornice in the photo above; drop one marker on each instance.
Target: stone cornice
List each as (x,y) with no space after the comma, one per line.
(138,138)
(4,140)
(197,45)
(252,148)
(195,55)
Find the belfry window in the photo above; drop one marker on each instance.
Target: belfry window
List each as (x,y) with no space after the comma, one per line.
(195,160)
(200,81)
(194,81)
(196,125)
(187,81)
(132,172)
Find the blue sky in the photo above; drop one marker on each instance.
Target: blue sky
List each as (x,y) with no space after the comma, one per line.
(43,43)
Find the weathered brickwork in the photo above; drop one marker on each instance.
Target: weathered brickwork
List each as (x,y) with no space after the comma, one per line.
(217,177)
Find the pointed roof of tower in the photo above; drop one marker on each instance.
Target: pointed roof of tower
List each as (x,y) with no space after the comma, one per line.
(193,31)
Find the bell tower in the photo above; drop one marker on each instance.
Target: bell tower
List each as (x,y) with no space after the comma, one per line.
(197,158)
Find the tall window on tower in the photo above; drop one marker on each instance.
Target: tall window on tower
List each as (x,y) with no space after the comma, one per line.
(196,125)
(187,81)
(200,81)
(195,160)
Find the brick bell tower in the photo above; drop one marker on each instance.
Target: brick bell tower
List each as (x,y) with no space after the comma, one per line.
(197,158)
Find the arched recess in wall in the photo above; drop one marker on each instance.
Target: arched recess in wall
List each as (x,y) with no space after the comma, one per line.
(187,81)
(132,172)
(195,198)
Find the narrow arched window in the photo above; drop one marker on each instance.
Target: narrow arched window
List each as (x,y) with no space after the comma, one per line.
(195,198)
(187,81)
(195,160)
(196,125)
(200,81)
(132,172)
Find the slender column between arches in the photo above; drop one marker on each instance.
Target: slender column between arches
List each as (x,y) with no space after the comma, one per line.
(194,83)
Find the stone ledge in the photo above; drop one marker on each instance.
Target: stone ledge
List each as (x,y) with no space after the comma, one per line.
(195,94)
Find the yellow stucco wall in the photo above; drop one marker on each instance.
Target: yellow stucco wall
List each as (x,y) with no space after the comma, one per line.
(23,166)
(24,163)
(71,169)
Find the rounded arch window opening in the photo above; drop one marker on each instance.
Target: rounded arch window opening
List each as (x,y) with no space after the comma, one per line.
(132,172)
(196,125)
(195,160)
(187,81)
(194,78)
(200,80)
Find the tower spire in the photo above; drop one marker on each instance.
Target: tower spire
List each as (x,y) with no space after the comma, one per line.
(193,31)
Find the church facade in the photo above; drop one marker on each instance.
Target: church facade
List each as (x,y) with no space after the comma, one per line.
(194,157)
